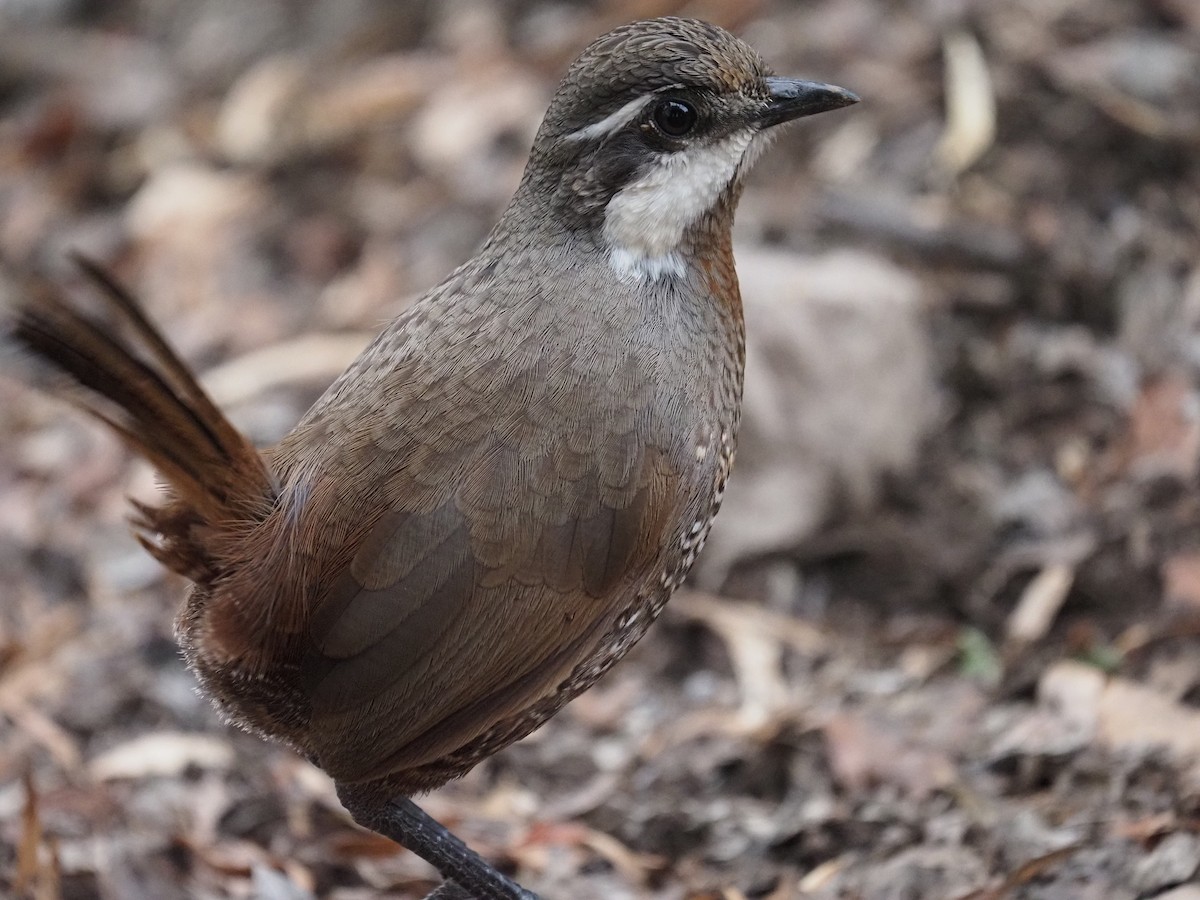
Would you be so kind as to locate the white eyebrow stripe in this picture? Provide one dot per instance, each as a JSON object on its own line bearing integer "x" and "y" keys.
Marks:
{"x": 612, "y": 122}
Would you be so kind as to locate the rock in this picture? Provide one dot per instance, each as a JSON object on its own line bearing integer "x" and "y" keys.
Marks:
{"x": 839, "y": 392}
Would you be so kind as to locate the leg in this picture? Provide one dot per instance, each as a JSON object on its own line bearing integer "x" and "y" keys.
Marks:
{"x": 411, "y": 827}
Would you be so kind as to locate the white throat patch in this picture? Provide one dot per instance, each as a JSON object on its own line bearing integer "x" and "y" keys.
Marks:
{"x": 645, "y": 221}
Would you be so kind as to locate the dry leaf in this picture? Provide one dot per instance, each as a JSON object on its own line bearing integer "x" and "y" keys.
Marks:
{"x": 1134, "y": 717}
{"x": 863, "y": 753}
{"x": 970, "y": 103}
{"x": 1040, "y": 602}
{"x": 162, "y": 754}
{"x": 1181, "y": 580}
{"x": 28, "y": 856}
{"x": 1163, "y": 436}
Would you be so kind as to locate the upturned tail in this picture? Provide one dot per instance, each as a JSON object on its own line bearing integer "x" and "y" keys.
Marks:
{"x": 126, "y": 374}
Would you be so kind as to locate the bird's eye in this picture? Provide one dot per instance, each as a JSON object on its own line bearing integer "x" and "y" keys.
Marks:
{"x": 675, "y": 118}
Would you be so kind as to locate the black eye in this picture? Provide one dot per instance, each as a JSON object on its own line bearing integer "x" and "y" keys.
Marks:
{"x": 675, "y": 118}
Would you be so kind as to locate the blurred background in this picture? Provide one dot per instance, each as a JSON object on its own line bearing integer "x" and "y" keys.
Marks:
{"x": 943, "y": 642}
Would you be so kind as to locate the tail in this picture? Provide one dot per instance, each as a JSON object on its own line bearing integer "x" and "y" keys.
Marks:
{"x": 136, "y": 384}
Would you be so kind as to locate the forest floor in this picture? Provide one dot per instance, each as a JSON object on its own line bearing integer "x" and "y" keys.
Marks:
{"x": 945, "y": 642}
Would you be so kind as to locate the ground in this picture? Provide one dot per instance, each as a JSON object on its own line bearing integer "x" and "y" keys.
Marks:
{"x": 944, "y": 644}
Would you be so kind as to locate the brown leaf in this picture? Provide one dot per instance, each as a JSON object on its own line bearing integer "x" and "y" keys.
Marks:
{"x": 1163, "y": 435}
{"x": 28, "y": 865}
{"x": 1146, "y": 828}
{"x": 360, "y": 844}
{"x": 1133, "y": 716}
{"x": 1025, "y": 873}
{"x": 862, "y": 753}
{"x": 1181, "y": 580}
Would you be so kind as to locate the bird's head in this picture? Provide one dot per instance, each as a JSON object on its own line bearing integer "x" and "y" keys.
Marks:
{"x": 650, "y": 133}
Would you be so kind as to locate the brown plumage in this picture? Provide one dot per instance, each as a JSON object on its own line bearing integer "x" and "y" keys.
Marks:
{"x": 491, "y": 505}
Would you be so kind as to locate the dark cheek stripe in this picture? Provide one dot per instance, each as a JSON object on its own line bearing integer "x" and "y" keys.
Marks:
{"x": 619, "y": 159}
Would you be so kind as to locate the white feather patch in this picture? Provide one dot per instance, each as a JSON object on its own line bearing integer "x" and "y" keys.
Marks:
{"x": 632, "y": 267}
{"x": 645, "y": 221}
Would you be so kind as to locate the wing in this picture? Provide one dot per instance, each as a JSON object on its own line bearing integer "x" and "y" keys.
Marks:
{"x": 502, "y": 553}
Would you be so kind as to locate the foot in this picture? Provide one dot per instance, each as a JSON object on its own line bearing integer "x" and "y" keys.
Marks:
{"x": 468, "y": 876}
{"x": 451, "y": 891}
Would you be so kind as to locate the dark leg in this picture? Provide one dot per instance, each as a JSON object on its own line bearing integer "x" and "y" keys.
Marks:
{"x": 409, "y": 826}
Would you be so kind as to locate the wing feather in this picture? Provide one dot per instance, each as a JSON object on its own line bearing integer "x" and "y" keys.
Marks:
{"x": 448, "y": 622}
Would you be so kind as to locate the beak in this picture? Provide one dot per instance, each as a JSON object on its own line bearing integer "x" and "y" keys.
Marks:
{"x": 791, "y": 98}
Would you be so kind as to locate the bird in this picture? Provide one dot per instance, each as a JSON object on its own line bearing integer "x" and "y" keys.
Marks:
{"x": 491, "y": 505}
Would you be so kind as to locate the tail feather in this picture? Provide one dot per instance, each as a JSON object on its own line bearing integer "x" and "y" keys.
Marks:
{"x": 206, "y": 413}
{"x": 135, "y": 383}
